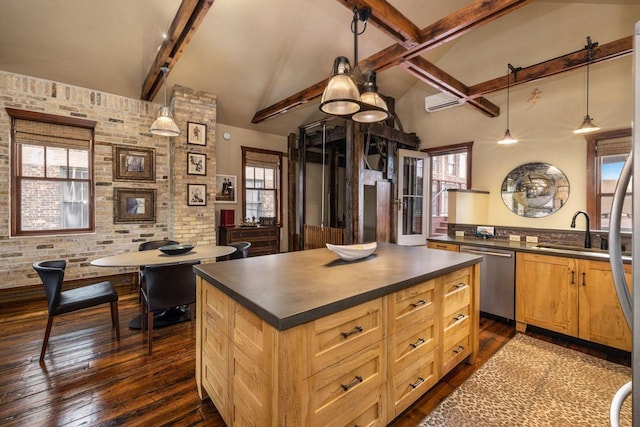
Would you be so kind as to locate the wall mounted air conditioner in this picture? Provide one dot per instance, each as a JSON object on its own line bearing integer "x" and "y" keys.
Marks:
{"x": 441, "y": 101}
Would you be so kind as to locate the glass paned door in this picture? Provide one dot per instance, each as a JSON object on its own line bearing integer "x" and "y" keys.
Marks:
{"x": 413, "y": 192}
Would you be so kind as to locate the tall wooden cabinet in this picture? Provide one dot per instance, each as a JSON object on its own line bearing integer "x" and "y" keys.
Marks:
{"x": 572, "y": 296}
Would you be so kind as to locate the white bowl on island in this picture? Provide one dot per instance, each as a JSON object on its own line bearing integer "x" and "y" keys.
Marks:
{"x": 353, "y": 252}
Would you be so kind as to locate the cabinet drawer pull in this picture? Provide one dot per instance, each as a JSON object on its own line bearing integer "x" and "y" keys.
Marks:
{"x": 418, "y": 304}
{"x": 458, "y": 349}
{"x": 356, "y": 380}
{"x": 460, "y": 285}
{"x": 573, "y": 277}
{"x": 417, "y": 343}
{"x": 459, "y": 317}
{"x": 417, "y": 383}
{"x": 584, "y": 279}
{"x": 351, "y": 332}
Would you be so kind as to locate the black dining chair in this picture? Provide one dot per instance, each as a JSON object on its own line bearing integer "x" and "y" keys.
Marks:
{"x": 242, "y": 251}
{"x": 60, "y": 302}
{"x": 166, "y": 287}
{"x": 147, "y": 246}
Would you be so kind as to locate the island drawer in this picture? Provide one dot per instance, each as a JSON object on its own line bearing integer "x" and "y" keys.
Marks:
{"x": 411, "y": 305}
{"x": 457, "y": 325}
{"x": 457, "y": 291}
{"x": 334, "y": 391}
{"x": 455, "y": 353}
{"x": 407, "y": 385}
{"x": 409, "y": 345}
{"x": 342, "y": 334}
{"x": 216, "y": 308}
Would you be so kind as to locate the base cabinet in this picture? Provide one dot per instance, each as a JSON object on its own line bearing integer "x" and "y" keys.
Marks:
{"x": 571, "y": 296}
{"x": 361, "y": 366}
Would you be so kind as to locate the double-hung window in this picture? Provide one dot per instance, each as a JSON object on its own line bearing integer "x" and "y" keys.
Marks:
{"x": 261, "y": 182}
{"x": 52, "y": 188}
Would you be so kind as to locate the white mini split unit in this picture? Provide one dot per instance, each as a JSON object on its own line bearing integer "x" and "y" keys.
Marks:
{"x": 441, "y": 101}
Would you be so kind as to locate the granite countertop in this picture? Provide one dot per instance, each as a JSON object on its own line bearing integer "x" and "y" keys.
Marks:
{"x": 539, "y": 248}
{"x": 292, "y": 288}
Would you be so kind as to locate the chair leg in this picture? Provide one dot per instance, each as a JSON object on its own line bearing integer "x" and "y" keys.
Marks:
{"x": 150, "y": 331}
{"x": 47, "y": 332}
{"x": 114, "y": 318}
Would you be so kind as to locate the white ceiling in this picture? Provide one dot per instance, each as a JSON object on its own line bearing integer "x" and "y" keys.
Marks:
{"x": 252, "y": 54}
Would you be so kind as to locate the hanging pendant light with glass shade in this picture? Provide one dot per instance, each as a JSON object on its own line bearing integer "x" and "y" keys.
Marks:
{"x": 507, "y": 138}
{"x": 342, "y": 97}
{"x": 164, "y": 124}
{"x": 587, "y": 123}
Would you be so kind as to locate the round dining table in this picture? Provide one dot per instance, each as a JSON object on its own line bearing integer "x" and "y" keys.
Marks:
{"x": 157, "y": 257}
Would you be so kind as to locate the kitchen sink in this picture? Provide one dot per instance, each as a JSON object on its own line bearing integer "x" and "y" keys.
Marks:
{"x": 573, "y": 248}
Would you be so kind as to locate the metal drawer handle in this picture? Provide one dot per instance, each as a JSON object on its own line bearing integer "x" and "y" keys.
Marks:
{"x": 418, "y": 304}
{"x": 356, "y": 380}
{"x": 460, "y": 285}
{"x": 417, "y": 343}
{"x": 353, "y": 331}
{"x": 459, "y": 317}
{"x": 458, "y": 349}
{"x": 417, "y": 383}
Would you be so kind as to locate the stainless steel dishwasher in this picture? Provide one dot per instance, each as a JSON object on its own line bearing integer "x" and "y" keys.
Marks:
{"x": 497, "y": 280}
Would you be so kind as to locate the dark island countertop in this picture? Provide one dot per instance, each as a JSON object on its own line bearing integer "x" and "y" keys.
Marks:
{"x": 292, "y": 288}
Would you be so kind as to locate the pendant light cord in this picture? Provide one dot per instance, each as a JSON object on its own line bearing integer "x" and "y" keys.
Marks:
{"x": 164, "y": 79}
{"x": 588, "y": 64}
{"x": 508, "y": 84}
{"x": 324, "y": 137}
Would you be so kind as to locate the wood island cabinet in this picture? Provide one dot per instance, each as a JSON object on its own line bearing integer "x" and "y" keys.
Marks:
{"x": 362, "y": 365}
{"x": 571, "y": 296}
{"x": 444, "y": 246}
{"x": 265, "y": 240}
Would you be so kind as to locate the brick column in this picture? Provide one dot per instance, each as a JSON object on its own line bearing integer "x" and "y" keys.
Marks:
{"x": 192, "y": 224}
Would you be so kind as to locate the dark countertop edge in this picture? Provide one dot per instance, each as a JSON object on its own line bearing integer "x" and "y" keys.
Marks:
{"x": 524, "y": 247}
{"x": 282, "y": 324}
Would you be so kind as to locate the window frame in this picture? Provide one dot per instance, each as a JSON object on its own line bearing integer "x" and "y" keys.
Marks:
{"x": 16, "y": 176}
{"x": 594, "y": 195}
{"x": 278, "y": 186}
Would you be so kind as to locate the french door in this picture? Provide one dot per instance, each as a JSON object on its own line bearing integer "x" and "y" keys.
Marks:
{"x": 413, "y": 191}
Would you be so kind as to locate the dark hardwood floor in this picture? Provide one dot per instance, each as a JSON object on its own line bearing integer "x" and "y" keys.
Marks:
{"x": 90, "y": 379}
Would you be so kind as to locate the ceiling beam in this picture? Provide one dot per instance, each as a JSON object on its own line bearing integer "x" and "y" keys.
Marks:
{"x": 189, "y": 16}
{"x": 451, "y": 27}
{"x": 571, "y": 61}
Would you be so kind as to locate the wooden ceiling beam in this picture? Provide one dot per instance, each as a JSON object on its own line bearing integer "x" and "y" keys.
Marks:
{"x": 389, "y": 20}
{"x": 187, "y": 20}
{"x": 453, "y": 26}
{"x": 604, "y": 52}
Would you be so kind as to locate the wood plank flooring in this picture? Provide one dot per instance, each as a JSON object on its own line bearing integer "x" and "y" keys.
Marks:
{"x": 88, "y": 378}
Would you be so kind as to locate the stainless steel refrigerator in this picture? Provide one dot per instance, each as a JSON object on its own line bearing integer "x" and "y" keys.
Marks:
{"x": 630, "y": 171}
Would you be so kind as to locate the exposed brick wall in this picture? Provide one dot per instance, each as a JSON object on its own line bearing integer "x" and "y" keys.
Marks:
{"x": 121, "y": 121}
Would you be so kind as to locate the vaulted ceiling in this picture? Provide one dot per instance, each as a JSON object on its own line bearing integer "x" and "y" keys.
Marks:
{"x": 259, "y": 56}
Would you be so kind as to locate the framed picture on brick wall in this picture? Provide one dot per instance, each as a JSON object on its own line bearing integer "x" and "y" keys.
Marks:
{"x": 132, "y": 205}
{"x": 134, "y": 164}
{"x": 196, "y": 133}
{"x": 196, "y": 164}
{"x": 196, "y": 194}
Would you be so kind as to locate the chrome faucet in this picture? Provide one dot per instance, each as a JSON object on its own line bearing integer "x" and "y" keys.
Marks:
{"x": 587, "y": 236}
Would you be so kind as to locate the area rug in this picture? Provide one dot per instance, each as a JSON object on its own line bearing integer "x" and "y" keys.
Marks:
{"x": 530, "y": 382}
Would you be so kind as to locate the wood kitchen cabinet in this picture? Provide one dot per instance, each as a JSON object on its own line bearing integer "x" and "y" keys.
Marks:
{"x": 571, "y": 296}
{"x": 444, "y": 246}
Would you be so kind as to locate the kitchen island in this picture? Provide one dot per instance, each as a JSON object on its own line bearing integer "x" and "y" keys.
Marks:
{"x": 304, "y": 338}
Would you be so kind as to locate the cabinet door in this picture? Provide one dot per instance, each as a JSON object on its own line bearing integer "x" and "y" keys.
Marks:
{"x": 601, "y": 318}
{"x": 547, "y": 293}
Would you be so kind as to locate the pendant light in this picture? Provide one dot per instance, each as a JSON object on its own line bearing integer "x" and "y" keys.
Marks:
{"x": 342, "y": 97}
{"x": 164, "y": 124}
{"x": 587, "y": 124}
{"x": 507, "y": 138}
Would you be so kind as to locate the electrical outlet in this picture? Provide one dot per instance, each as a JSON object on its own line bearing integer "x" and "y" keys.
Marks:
{"x": 532, "y": 239}
{"x": 459, "y": 233}
{"x": 514, "y": 238}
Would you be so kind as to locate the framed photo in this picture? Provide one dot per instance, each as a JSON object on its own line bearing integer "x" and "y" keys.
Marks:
{"x": 131, "y": 205}
{"x": 196, "y": 133}
{"x": 196, "y": 164}
{"x": 196, "y": 194}
{"x": 134, "y": 164}
{"x": 225, "y": 188}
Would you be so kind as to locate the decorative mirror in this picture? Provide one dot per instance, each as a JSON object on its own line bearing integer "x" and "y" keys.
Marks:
{"x": 535, "y": 190}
